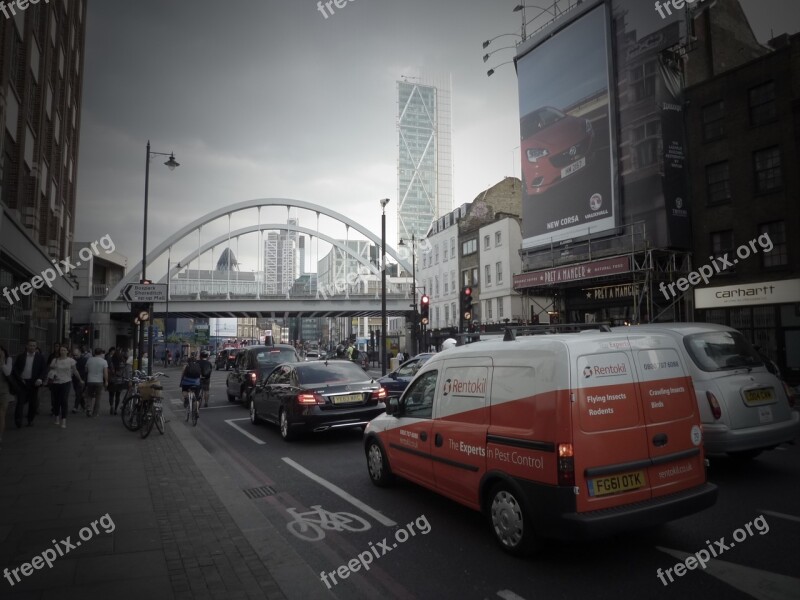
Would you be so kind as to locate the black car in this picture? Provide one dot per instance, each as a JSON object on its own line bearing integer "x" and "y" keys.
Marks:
{"x": 252, "y": 365}
{"x": 317, "y": 396}
{"x": 226, "y": 359}
{"x": 397, "y": 381}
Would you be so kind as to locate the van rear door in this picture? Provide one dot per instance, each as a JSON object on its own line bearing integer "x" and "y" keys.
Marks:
{"x": 611, "y": 456}
{"x": 671, "y": 416}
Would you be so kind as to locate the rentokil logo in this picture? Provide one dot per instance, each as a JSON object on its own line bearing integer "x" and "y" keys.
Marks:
{"x": 609, "y": 371}
{"x": 469, "y": 387}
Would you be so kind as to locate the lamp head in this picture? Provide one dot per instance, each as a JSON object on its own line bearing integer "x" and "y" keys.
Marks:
{"x": 172, "y": 163}
{"x": 486, "y": 43}
{"x": 384, "y": 202}
{"x": 518, "y": 8}
{"x": 490, "y": 72}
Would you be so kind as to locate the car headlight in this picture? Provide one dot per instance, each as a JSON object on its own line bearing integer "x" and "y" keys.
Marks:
{"x": 535, "y": 154}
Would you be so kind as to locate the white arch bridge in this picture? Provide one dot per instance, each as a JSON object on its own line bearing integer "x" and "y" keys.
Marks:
{"x": 342, "y": 293}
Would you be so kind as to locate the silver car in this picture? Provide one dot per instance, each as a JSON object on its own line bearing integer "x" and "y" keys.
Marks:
{"x": 744, "y": 408}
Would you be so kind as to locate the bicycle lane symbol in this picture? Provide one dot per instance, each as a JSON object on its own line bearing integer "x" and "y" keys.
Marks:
{"x": 311, "y": 525}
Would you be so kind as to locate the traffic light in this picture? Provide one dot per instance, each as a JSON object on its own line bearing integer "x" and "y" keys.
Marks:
{"x": 140, "y": 312}
{"x": 424, "y": 309}
{"x": 466, "y": 303}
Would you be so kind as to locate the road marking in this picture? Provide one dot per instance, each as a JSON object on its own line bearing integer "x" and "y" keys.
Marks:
{"x": 762, "y": 585}
{"x": 780, "y": 515}
{"x": 341, "y": 493}
{"x": 235, "y": 426}
{"x": 509, "y": 595}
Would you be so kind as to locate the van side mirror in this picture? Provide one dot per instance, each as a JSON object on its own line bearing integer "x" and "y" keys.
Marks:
{"x": 393, "y": 406}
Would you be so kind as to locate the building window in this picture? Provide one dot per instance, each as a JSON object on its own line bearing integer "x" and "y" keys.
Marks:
{"x": 499, "y": 308}
{"x": 453, "y": 247}
{"x": 488, "y": 276}
{"x": 497, "y": 238}
{"x": 444, "y": 252}
{"x": 454, "y": 313}
{"x": 643, "y": 78}
{"x": 469, "y": 247}
{"x": 718, "y": 183}
{"x": 646, "y": 143}
{"x": 721, "y": 244}
{"x": 486, "y": 244}
{"x": 446, "y": 315}
{"x": 762, "y": 104}
{"x": 774, "y": 233}
{"x": 446, "y": 285}
{"x": 714, "y": 121}
{"x": 436, "y": 286}
{"x": 499, "y": 272}
{"x": 475, "y": 277}
{"x": 768, "y": 170}
{"x": 488, "y": 309}
{"x": 436, "y": 254}
{"x": 465, "y": 278}
{"x": 436, "y": 314}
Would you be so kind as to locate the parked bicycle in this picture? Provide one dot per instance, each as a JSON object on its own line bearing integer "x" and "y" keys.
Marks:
{"x": 141, "y": 389}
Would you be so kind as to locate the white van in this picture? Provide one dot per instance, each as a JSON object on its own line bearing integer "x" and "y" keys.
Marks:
{"x": 565, "y": 436}
{"x": 744, "y": 408}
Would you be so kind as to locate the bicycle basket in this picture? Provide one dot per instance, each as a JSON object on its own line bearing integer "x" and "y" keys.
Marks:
{"x": 150, "y": 389}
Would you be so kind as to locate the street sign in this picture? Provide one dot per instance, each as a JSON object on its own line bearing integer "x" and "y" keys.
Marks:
{"x": 140, "y": 292}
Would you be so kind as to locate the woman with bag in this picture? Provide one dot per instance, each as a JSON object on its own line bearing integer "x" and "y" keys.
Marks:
{"x": 53, "y": 355}
{"x": 62, "y": 370}
{"x": 8, "y": 387}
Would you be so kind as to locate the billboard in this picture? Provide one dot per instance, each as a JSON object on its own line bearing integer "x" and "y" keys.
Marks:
{"x": 566, "y": 143}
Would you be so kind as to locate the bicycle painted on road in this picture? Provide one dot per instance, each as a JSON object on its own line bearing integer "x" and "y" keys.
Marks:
{"x": 311, "y": 529}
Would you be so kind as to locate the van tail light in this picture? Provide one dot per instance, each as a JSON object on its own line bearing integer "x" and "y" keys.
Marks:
{"x": 714, "y": 405}
{"x": 789, "y": 394}
{"x": 310, "y": 399}
{"x": 253, "y": 378}
{"x": 379, "y": 394}
{"x": 566, "y": 465}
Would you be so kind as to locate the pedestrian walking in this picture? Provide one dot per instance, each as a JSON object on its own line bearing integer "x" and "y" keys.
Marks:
{"x": 115, "y": 378}
{"x": 400, "y": 358}
{"x": 62, "y": 370}
{"x": 77, "y": 386}
{"x": 7, "y": 386}
{"x": 53, "y": 355}
{"x": 96, "y": 381}
{"x": 30, "y": 368}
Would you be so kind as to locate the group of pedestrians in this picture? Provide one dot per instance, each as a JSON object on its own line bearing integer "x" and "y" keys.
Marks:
{"x": 87, "y": 373}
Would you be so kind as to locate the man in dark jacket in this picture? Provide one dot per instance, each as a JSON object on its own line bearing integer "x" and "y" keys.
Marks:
{"x": 30, "y": 368}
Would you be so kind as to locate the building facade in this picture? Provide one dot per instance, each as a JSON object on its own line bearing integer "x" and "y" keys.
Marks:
{"x": 41, "y": 86}
{"x": 425, "y": 163}
{"x": 281, "y": 250}
{"x": 499, "y": 260}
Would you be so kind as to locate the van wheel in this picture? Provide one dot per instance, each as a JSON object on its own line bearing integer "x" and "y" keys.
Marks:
{"x": 744, "y": 455}
{"x": 378, "y": 465}
{"x": 510, "y": 520}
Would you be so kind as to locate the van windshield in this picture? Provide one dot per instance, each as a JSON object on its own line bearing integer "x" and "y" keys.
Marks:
{"x": 721, "y": 351}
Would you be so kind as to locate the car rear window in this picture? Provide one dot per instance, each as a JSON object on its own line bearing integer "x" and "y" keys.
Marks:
{"x": 330, "y": 372}
{"x": 721, "y": 351}
{"x": 277, "y": 355}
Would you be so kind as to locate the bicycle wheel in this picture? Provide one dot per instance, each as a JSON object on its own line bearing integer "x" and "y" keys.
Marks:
{"x": 147, "y": 421}
{"x": 195, "y": 412}
{"x": 131, "y": 413}
{"x": 160, "y": 423}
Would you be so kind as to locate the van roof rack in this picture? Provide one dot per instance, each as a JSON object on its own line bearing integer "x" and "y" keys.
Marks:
{"x": 512, "y": 332}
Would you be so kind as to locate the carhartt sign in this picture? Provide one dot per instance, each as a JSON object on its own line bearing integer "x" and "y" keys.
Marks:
{"x": 145, "y": 292}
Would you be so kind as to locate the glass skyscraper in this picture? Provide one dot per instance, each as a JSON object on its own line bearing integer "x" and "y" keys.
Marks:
{"x": 425, "y": 163}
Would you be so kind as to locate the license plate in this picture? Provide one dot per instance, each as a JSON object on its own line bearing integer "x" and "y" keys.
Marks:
{"x": 347, "y": 398}
{"x": 570, "y": 169}
{"x": 764, "y": 414}
{"x": 756, "y": 397}
{"x": 615, "y": 484}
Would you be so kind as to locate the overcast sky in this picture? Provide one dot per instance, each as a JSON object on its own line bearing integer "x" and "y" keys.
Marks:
{"x": 267, "y": 98}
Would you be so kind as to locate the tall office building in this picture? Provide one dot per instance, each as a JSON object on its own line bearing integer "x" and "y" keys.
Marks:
{"x": 41, "y": 86}
{"x": 425, "y": 160}
{"x": 280, "y": 259}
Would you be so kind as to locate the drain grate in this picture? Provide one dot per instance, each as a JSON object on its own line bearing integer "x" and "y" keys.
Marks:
{"x": 260, "y": 492}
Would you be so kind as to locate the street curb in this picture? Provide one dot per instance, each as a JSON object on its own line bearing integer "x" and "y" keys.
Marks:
{"x": 290, "y": 570}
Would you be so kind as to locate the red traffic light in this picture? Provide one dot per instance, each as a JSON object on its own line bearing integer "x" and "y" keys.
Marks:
{"x": 424, "y": 299}
{"x": 467, "y": 291}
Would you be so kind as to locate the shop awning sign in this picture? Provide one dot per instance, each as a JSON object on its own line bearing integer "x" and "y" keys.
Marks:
{"x": 578, "y": 272}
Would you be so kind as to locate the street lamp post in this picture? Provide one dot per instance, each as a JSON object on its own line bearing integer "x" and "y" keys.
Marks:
{"x": 414, "y": 287}
{"x": 171, "y": 163}
{"x": 384, "y": 202}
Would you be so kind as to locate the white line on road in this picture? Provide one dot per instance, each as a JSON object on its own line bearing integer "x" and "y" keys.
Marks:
{"x": 780, "y": 515}
{"x": 341, "y": 493}
{"x": 509, "y": 595}
{"x": 235, "y": 426}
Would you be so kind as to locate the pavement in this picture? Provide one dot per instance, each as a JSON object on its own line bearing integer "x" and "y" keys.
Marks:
{"x": 112, "y": 515}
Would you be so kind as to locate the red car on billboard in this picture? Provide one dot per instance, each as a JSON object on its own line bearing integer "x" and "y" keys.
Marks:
{"x": 554, "y": 146}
